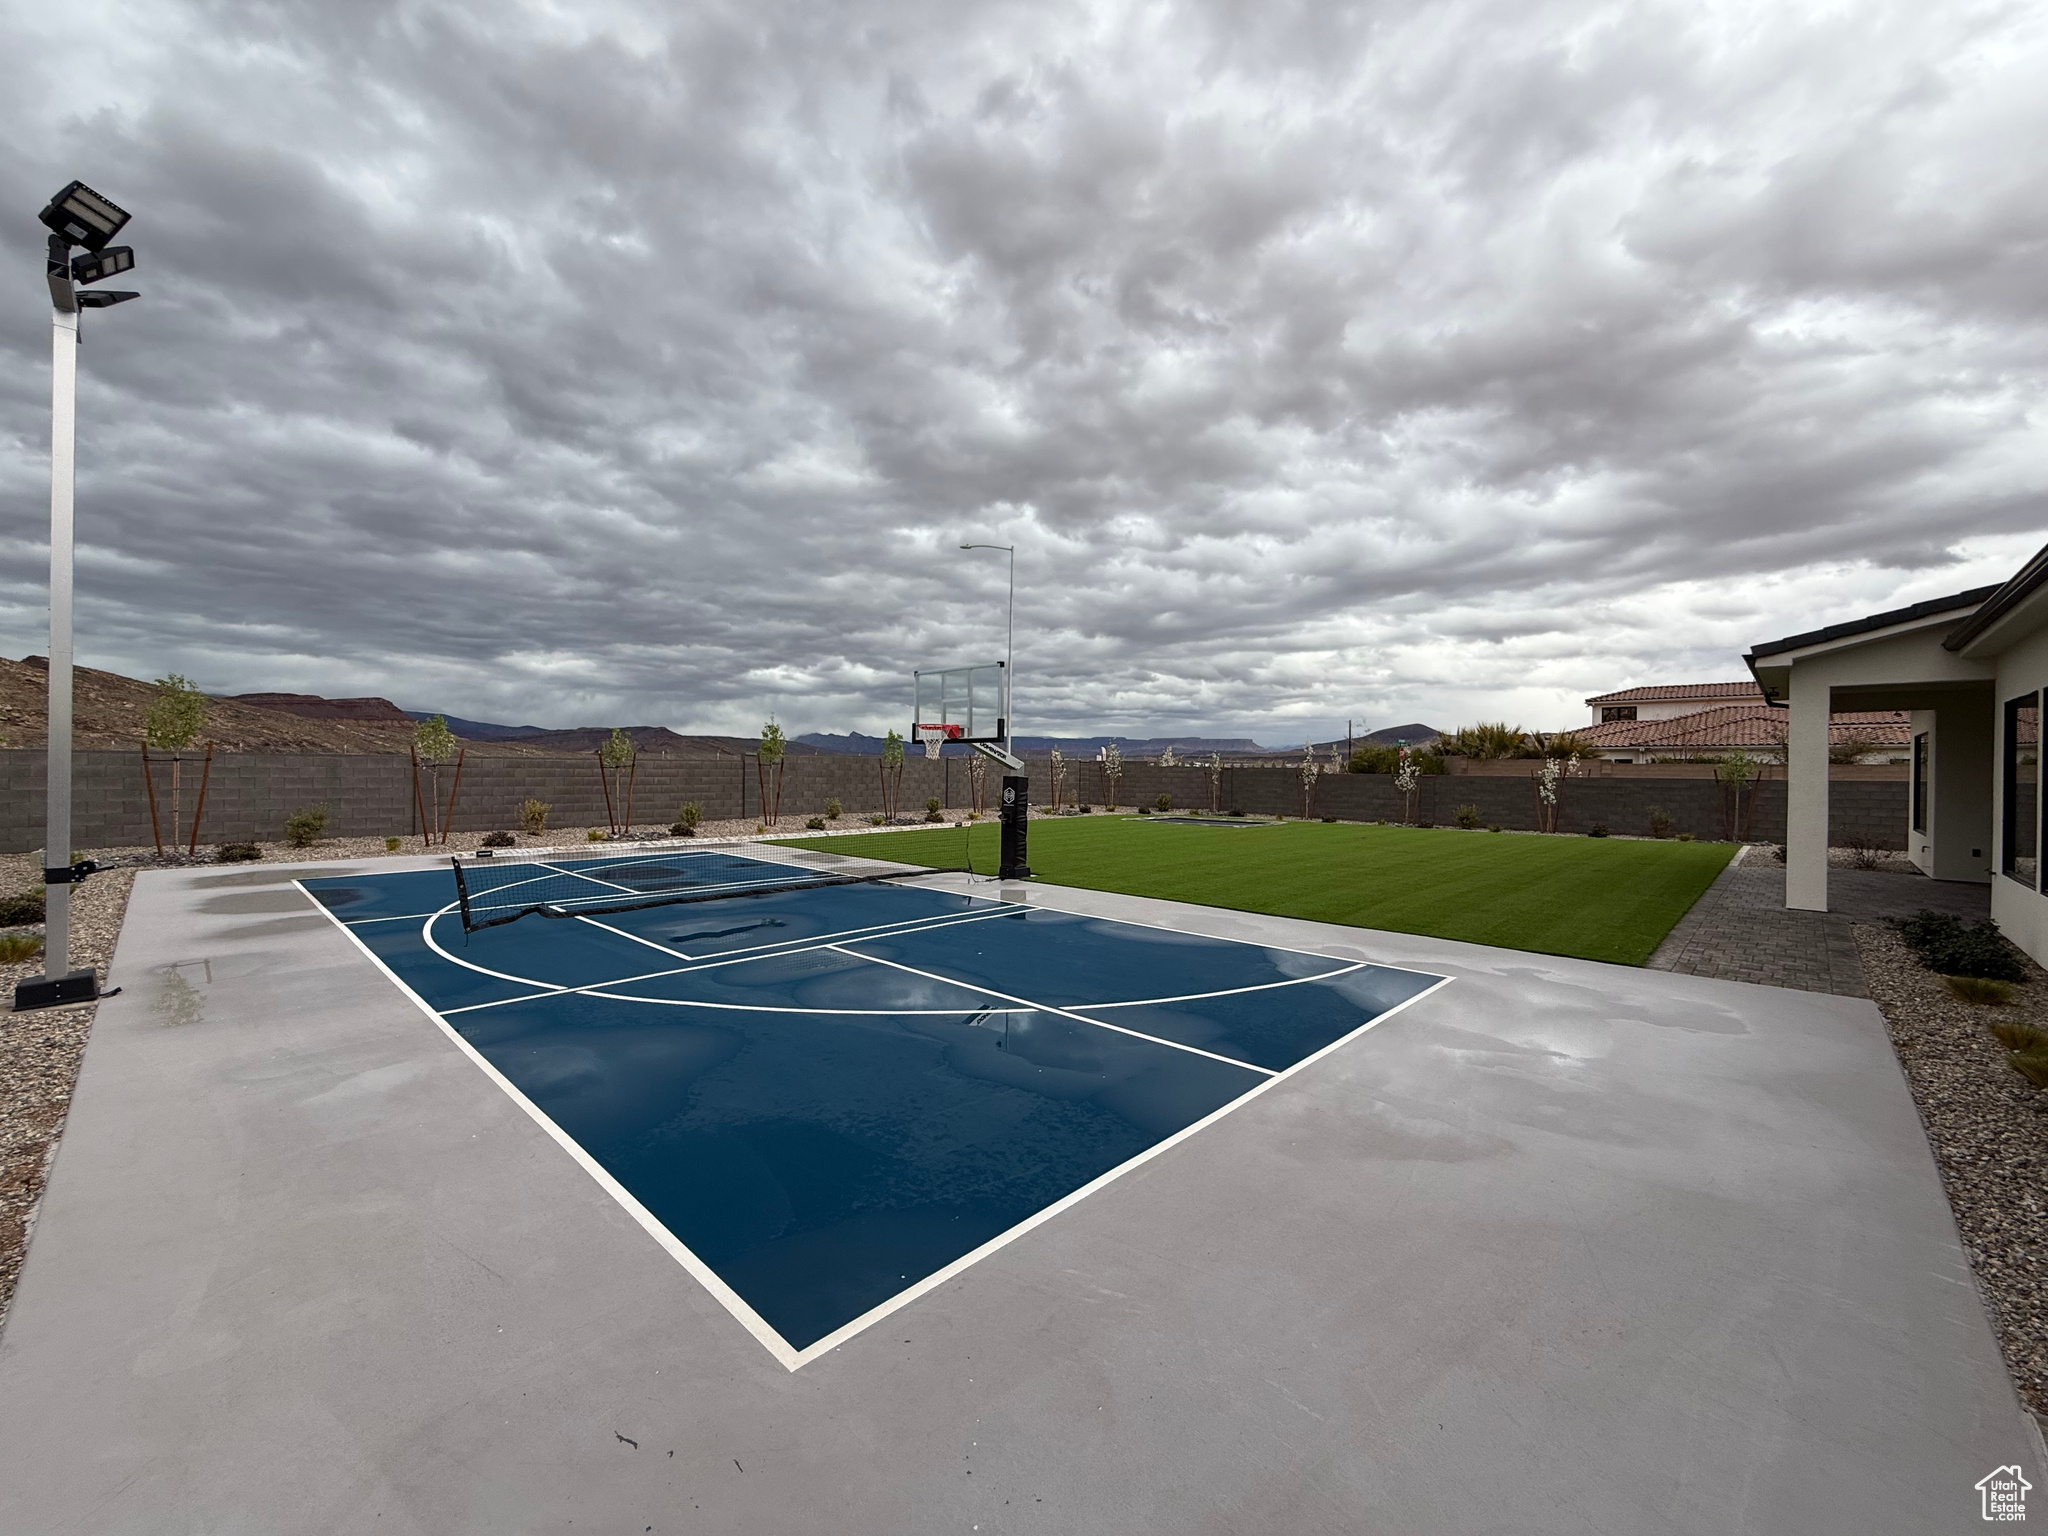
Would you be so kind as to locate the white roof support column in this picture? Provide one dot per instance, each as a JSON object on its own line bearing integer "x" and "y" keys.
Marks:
{"x": 1806, "y": 794}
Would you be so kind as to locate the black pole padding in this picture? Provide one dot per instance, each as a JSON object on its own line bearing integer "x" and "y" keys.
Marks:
{"x": 1016, "y": 818}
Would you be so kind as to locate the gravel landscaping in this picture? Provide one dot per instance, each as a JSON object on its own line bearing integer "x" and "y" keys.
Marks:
{"x": 1988, "y": 1127}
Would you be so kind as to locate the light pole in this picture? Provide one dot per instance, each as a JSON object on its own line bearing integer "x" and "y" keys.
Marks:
{"x": 1009, "y": 649}
{"x": 76, "y": 216}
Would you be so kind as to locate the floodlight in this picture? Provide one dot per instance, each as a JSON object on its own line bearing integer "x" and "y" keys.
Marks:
{"x": 83, "y": 217}
{"x": 105, "y": 298}
{"x": 111, "y": 262}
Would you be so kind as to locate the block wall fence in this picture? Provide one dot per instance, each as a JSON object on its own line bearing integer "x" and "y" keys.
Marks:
{"x": 248, "y": 795}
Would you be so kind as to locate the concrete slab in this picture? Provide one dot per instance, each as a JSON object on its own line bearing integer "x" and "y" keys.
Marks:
{"x": 1563, "y": 1247}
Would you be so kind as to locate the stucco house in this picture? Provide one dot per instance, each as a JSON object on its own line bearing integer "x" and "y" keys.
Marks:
{"x": 1970, "y": 670}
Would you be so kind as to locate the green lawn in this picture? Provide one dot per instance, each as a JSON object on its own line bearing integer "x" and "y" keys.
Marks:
{"x": 1596, "y": 898}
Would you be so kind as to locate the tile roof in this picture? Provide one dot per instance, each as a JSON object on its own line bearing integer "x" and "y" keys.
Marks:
{"x": 1741, "y": 725}
{"x": 1746, "y": 688}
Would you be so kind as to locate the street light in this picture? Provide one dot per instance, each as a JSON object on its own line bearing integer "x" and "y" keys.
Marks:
{"x": 1010, "y": 649}
{"x": 76, "y": 216}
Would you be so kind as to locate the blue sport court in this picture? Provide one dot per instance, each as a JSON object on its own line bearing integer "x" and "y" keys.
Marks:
{"x": 826, "y": 1097}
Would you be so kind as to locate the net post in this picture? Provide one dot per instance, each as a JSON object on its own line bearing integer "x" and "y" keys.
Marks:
{"x": 462, "y": 895}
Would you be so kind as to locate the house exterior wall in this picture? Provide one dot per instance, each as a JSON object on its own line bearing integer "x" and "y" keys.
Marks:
{"x": 1957, "y": 842}
{"x": 2021, "y": 912}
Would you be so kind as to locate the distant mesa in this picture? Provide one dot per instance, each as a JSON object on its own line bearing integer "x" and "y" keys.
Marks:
{"x": 478, "y": 730}
{"x": 312, "y": 706}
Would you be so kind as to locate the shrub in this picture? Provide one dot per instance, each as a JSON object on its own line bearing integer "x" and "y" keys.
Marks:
{"x": 833, "y": 809}
{"x": 498, "y": 840}
{"x": 1942, "y": 944}
{"x": 27, "y": 907}
{"x": 1493, "y": 826}
{"x": 533, "y": 815}
{"x": 690, "y": 816}
{"x": 1982, "y": 991}
{"x": 1467, "y": 817}
{"x": 1661, "y": 824}
{"x": 816, "y": 823}
{"x": 1685, "y": 837}
{"x": 1144, "y": 810}
{"x": 1234, "y": 813}
{"x": 1330, "y": 821}
{"x": 677, "y": 829}
{"x": 303, "y": 827}
{"x": 1598, "y": 829}
{"x": 593, "y": 836}
{"x": 1388, "y": 760}
{"x": 17, "y": 947}
{"x": 2015, "y": 1036}
{"x": 1164, "y": 802}
{"x": 2032, "y": 1065}
{"x": 246, "y": 853}
{"x": 877, "y": 819}
{"x": 391, "y": 845}
{"x": 1864, "y": 851}
{"x": 1778, "y": 852}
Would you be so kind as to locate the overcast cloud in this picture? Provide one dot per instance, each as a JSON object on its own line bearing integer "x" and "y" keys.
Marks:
{"x": 605, "y": 362}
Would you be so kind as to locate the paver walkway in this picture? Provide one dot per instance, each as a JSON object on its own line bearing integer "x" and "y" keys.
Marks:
{"x": 1741, "y": 930}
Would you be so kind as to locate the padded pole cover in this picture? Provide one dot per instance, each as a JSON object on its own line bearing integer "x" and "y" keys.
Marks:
{"x": 1016, "y": 817}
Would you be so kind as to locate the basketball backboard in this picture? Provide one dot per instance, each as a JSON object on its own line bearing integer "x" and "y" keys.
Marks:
{"x": 965, "y": 704}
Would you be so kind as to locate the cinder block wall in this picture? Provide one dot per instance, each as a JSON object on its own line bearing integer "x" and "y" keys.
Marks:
{"x": 249, "y": 795}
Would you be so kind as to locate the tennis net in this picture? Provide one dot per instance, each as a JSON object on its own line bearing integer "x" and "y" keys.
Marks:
{"x": 503, "y": 889}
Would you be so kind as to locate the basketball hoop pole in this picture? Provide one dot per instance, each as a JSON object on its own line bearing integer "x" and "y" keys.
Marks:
{"x": 1009, "y": 648}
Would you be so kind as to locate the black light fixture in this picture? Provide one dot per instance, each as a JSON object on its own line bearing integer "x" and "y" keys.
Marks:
{"x": 83, "y": 217}
{"x": 105, "y": 298}
{"x": 111, "y": 262}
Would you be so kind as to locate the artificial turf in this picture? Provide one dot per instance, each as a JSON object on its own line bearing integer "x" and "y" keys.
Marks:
{"x": 1596, "y": 898}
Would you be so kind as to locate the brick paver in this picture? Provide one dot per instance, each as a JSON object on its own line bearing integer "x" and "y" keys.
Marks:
{"x": 1741, "y": 930}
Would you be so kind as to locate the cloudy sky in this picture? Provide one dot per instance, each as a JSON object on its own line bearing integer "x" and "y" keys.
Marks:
{"x": 600, "y": 362}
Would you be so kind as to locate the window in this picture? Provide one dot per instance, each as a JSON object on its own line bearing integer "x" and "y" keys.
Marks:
{"x": 1609, "y": 713}
{"x": 1920, "y": 782}
{"x": 2020, "y": 751}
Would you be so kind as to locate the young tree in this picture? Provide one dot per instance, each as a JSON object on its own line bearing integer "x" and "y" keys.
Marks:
{"x": 1407, "y": 776}
{"x": 172, "y": 723}
{"x": 435, "y": 744}
{"x": 1310, "y": 771}
{"x": 615, "y": 759}
{"x": 768, "y": 771}
{"x": 1167, "y": 759}
{"x": 892, "y": 774}
{"x": 977, "y": 781}
{"x": 1112, "y": 761}
{"x": 1738, "y": 773}
{"x": 1215, "y": 781}
{"x": 1059, "y": 776}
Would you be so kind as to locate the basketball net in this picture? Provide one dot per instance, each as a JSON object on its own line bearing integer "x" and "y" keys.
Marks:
{"x": 933, "y": 737}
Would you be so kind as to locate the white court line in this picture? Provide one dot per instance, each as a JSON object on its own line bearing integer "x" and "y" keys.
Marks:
{"x": 699, "y": 1271}
{"x": 1002, "y": 1240}
{"x": 804, "y": 946}
{"x": 791, "y": 1358}
{"x": 1264, "y": 986}
{"x": 1228, "y": 1061}
{"x": 1039, "y": 905}
{"x": 608, "y": 928}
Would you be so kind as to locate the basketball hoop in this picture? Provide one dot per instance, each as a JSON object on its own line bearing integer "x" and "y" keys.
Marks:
{"x": 935, "y": 736}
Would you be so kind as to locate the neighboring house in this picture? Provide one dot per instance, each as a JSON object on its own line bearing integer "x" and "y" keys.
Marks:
{"x": 1971, "y": 669}
{"x": 1684, "y": 720}
{"x": 1668, "y": 701}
